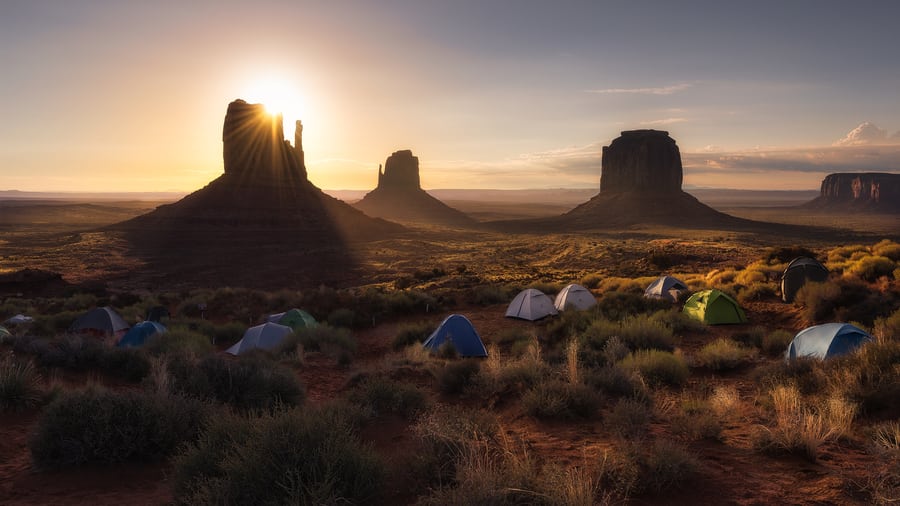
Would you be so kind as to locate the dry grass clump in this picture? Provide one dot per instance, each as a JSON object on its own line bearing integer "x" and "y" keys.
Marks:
{"x": 724, "y": 401}
{"x": 20, "y": 384}
{"x": 871, "y": 268}
{"x": 776, "y": 342}
{"x": 635, "y": 332}
{"x": 886, "y": 437}
{"x": 558, "y": 399}
{"x": 412, "y": 333}
{"x": 694, "y": 419}
{"x": 883, "y": 481}
{"x": 646, "y": 469}
{"x": 629, "y": 418}
{"x": 723, "y": 354}
{"x": 657, "y": 367}
{"x": 456, "y": 376}
{"x": 379, "y": 396}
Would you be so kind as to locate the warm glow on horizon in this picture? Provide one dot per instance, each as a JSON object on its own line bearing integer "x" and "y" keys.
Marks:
{"x": 279, "y": 96}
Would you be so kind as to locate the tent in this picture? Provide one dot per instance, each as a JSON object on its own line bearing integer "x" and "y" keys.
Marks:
{"x": 666, "y": 287}
{"x": 294, "y": 318}
{"x": 18, "y": 320}
{"x": 800, "y": 271}
{"x": 138, "y": 335}
{"x": 714, "y": 307}
{"x": 457, "y": 330}
{"x": 265, "y": 336}
{"x": 4, "y": 333}
{"x": 100, "y": 320}
{"x": 825, "y": 341}
{"x": 574, "y": 296}
{"x": 531, "y": 305}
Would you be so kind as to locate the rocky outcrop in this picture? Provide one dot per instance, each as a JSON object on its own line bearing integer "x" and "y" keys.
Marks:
{"x": 400, "y": 197}
{"x": 641, "y": 160}
{"x": 861, "y": 192}
{"x": 640, "y": 183}
{"x": 261, "y": 213}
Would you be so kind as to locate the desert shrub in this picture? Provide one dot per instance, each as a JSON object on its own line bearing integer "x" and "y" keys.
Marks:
{"x": 179, "y": 340}
{"x": 80, "y": 302}
{"x": 752, "y": 337}
{"x": 797, "y": 429}
{"x": 127, "y": 363}
{"x": 342, "y": 317}
{"x": 784, "y": 254}
{"x": 379, "y": 396}
{"x": 776, "y": 342}
{"x": 657, "y": 367}
{"x": 560, "y": 400}
{"x": 74, "y": 352}
{"x": 886, "y": 437}
{"x": 455, "y": 377}
{"x": 324, "y": 338}
{"x": 723, "y": 354}
{"x": 666, "y": 466}
{"x": 98, "y": 426}
{"x": 872, "y": 377}
{"x": 227, "y": 332}
{"x": 512, "y": 335}
{"x": 20, "y": 384}
{"x": 487, "y": 295}
{"x": 872, "y": 267}
{"x": 567, "y": 325}
{"x": 412, "y": 333}
{"x": 887, "y": 248}
{"x": 629, "y": 418}
{"x": 590, "y": 281}
{"x": 695, "y": 419}
{"x": 888, "y": 328}
{"x": 447, "y": 434}
{"x": 287, "y": 457}
{"x": 678, "y": 321}
{"x": 756, "y": 291}
{"x": 618, "y": 305}
{"x": 447, "y": 351}
{"x": 635, "y": 332}
{"x": 842, "y": 253}
{"x": 616, "y": 382}
{"x": 847, "y": 299}
{"x": 803, "y": 372}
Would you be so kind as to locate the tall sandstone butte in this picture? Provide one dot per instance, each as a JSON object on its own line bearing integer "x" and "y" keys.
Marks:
{"x": 640, "y": 183}
{"x": 861, "y": 192}
{"x": 399, "y": 195}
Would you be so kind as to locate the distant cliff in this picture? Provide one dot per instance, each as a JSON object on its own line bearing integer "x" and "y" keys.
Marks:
{"x": 399, "y": 196}
{"x": 859, "y": 192}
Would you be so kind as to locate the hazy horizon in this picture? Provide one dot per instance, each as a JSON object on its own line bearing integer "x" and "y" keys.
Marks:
{"x": 130, "y": 97}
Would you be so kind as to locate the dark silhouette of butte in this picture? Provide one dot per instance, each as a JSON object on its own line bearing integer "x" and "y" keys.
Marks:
{"x": 640, "y": 183}
{"x": 262, "y": 213}
{"x": 875, "y": 192}
{"x": 399, "y": 196}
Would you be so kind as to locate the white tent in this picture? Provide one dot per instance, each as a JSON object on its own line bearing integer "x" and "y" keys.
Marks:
{"x": 19, "y": 319}
{"x": 574, "y": 296}
{"x": 666, "y": 287}
{"x": 265, "y": 336}
{"x": 531, "y": 305}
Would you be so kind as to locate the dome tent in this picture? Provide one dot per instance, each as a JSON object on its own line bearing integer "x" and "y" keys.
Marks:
{"x": 265, "y": 336}
{"x": 138, "y": 335}
{"x": 293, "y": 318}
{"x": 457, "y": 330}
{"x": 714, "y": 307}
{"x": 826, "y": 341}
{"x": 574, "y": 296}
{"x": 100, "y": 320}
{"x": 531, "y": 304}
{"x": 665, "y": 287}
{"x": 800, "y": 271}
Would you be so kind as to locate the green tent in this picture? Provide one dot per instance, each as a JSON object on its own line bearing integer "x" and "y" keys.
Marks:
{"x": 714, "y": 307}
{"x": 294, "y": 318}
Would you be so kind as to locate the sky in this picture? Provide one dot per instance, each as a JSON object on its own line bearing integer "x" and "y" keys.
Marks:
{"x": 120, "y": 95}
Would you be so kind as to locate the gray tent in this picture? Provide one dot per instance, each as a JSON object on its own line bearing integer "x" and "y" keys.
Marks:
{"x": 574, "y": 296}
{"x": 100, "y": 320}
{"x": 827, "y": 340}
{"x": 531, "y": 304}
{"x": 265, "y": 336}
{"x": 666, "y": 287}
{"x": 800, "y": 271}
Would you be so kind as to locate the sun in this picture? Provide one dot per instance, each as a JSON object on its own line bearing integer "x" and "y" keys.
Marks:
{"x": 279, "y": 96}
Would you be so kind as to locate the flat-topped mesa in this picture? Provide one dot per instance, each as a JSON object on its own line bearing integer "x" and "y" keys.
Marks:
{"x": 641, "y": 161}
{"x": 401, "y": 172}
{"x": 865, "y": 191}
{"x": 254, "y": 149}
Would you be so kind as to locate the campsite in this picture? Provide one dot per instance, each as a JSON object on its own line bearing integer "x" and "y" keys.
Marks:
{"x": 630, "y": 399}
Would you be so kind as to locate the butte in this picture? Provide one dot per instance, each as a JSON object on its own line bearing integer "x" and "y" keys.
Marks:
{"x": 400, "y": 197}
{"x": 261, "y": 223}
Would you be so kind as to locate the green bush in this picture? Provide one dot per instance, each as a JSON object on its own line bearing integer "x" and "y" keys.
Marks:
{"x": 380, "y": 396}
{"x": 412, "y": 333}
{"x": 561, "y": 400}
{"x": 872, "y": 267}
{"x": 667, "y": 466}
{"x": 776, "y": 342}
{"x": 20, "y": 384}
{"x": 756, "y": 292}
{"x": 332, "y": 341}
{"x": 616, "y": 382}
{"x": 591, "y": 281}
{"x": 887, "y": 248}
{"x": 487, "y": 295}
{"x": 288, "y": 457}
{"x": 847, "y": 299}
{"x": 98, "y": 426}
{"x": 179, "y": 340}
{"x": 635, "y": 332}
{"x": 657, "y": 367}
{"x": 616, "y": 305}
{"x": 723, "y": 354}
{"x": 455, "y": 377}
{"x": 696, "y": 420}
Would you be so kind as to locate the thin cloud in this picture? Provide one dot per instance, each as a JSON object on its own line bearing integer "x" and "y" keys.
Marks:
{"x": 663, "y": 122}
{"x": 663, "y": 90}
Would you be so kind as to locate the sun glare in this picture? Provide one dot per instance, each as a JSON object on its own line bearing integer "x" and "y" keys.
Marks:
{"x": 279, "y": 97}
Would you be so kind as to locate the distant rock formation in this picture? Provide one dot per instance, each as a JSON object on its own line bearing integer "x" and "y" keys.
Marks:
{"x": 859, "y": 192}
{"x": 400, "y": 197}
{"x": 263, "y": 202}
{"x": 640, "y": 183}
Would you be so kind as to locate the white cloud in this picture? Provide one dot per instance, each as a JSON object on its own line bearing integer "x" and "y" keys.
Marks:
{"x": 866, "y": 133}
{"x": 662, "y": 122}
{"x": 663, "y": 90}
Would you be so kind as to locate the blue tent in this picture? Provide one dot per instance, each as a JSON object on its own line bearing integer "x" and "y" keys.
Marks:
{"x": 458, "y": 330}
{"x": 139, "y": 334}
{"x": 825, "y": 341}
